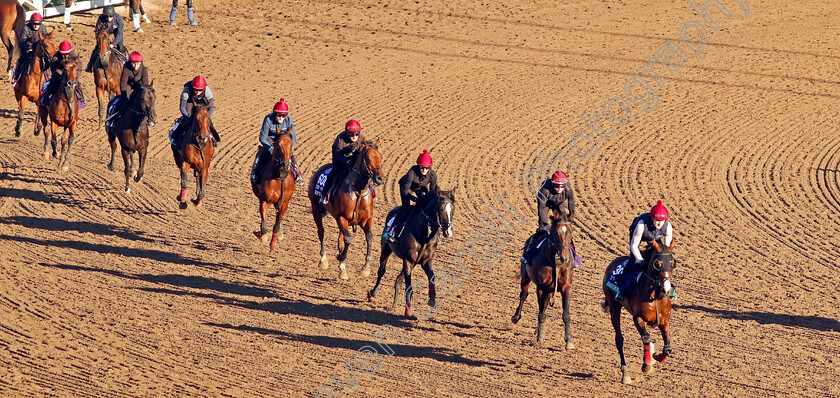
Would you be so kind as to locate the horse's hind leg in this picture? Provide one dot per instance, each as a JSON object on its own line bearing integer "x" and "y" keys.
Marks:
{"x": 430, "y": 273}
{"x": 318, "y": 214}
{"x": 200, "y": 182}
{"x": 143, "y": 12}
{"x": 21, "y": 107}
{"x": 10, "y": 48}
{"x": 384, "y": 254}
{"x": 263, "y": 234}
{"x": 409, "y": 287}
{"x": 523, "y": 294}
{"x": 367, "y": 226}
{"x": 112, "y": 141}
{"x": 141, "y": 163}
{"x": 345, "y": 238}
{"x": 185, "y": 182}
{"x": 47, "y": 136}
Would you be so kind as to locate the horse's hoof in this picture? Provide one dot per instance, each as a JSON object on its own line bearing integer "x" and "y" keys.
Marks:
{"x": 137, "y": 178}
{"x": 365, "y": 272}
{"x": 111, "y": 166}
{"x": 408, "y": 314}
{"x": 273, "y": 244}
{"x": 432, "y": 302}
{"x": 570, "y": 345}
{"x": 196, "y": 202}
{"x": 64, "y": 167}
{"x": 17, "y": 133}
{"x": 183, "y": 205}
{"x": 324, "y": 264}
{"x": 46, "y": 156}
{"x": 138, "y": 30}
{"x": 660, "y": 357}
{"x": 371, "y": 295}
{"x": 625, "y": 379}
{"x": 647, "y": 368}
{"x": 128, "y": 191}
{"x": 343, "y": 275}
{"x": 515, "y": 319}
{"x": 146, "y": 19}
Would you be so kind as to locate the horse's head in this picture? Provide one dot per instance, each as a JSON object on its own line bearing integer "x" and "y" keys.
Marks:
{"x": 71, "y": 70}
{"x": 369, "y": 162}
{"x": 200, "y": 122}
{"x": 660, "y": 267}
{"x": 46, "y": 48}
{"x": 146, "y": 96}
{"x": 281, "y": 150}
{"x": 560, "y": 233}
{"x": 444, "y": 210}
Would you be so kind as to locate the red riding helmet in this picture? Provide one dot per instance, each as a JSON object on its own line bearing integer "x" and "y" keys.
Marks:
{"x": 65, "y": 47}
{"x": 353, "y": 127}
{"x": 198, "y": 83}
{"x": 659, "y": 212}
{"x": 559, "y": 178}
{"x": 281, "y": 106}
{"x": 36, "y": 17}
{"x": 135, "y": 57}
{"x": 424, "y": 160}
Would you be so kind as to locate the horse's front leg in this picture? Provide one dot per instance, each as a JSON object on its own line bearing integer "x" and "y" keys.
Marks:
{"x": 345, "y": 238}
{"x": 543, "y": 297}
{"x": 278, "y": 224}
{"x": 69, "y": 137}
{"x": 112, "y": 140}
{"x": 185, "y": 182}
{"x": 665, "y": 329}
{"x": 367, "y": 226}
{"x": 100, "y": 95}
{"x": 47, "y": 136}
{"x": 21, "y": 107}
{"x": 129, "y": 166}
{"x": 263, "y": 234}
{"x": 430, "y": 273}
{"x": 566, "y": 292}
{"x": 641, "y": 326}
{"x": 384, "y": 253}
{"x": 524, "y": 283}
{"x": 615, "y": 318}
{"x": 141, "y": 162}
{"x": 201, "y": 181}
{"x": 409, "y": 289}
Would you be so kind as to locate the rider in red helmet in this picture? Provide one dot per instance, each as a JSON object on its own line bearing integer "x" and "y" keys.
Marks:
{"x": 278, "y": 118}
{"x": 420, "y": 181}
{"x": 64, "y": 54}
{"x": 647, "y": 227}
{"x": 27, "y": 40}
{"x": 134, "y": 75}
{"x": 111, "y": 21}
{"x": 555, "y": 194}
{"x": 345, "y": 148}
{"x": 195, "y": 91}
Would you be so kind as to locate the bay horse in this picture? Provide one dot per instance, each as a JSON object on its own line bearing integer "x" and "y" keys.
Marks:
{"x": 12, "y": 17}
{"x": 131, "y": 129}
{"x": 276, "y": 186}
{"x": 31, "y": 80}
{"x": 195, "y": 151}
{"x": 62, "y": 111}
{"x": 135, "y": 7}
{"x": 106, "y": 72}
{"x": 351, "y": 204}
{"x": 417, "y": 244}
{"x": 647, "y": 302}
{"x": 550, "y": 269}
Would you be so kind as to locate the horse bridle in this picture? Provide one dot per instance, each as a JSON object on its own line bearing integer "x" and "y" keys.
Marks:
{"x": 276, "y": 156}
{"x": 551, "y": 242}
{"x": 144, "y": 112}
{"x": 656, "y": 282}
{"x": 369, "y": 172}
{"x": 436, "y": 221}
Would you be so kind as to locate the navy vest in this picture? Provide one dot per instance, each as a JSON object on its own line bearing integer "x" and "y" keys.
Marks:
{"x": 650, "y": 233}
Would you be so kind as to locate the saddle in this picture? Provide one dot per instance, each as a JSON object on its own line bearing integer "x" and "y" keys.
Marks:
{"x": 535, "y": 243}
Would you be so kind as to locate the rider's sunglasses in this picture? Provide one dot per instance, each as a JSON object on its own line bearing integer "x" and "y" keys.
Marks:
{"x": 353, "y": 134}
{"x": 424, "y": 168}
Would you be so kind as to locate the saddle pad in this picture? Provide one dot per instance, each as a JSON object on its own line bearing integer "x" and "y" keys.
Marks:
{"x": 621, "y": 280}
{"x": 322, "y": 179}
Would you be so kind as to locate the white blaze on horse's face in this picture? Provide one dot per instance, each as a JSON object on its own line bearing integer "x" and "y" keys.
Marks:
{"x": 563, "y": 228}
{"x": 448, "y": 209}
{"x": 667, "y": 286}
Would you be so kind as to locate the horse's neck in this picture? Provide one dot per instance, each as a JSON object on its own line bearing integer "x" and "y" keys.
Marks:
{"x": 357, "y": 181}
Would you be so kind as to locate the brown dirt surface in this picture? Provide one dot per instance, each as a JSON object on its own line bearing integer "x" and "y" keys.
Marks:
{"x": 108, "y": 294}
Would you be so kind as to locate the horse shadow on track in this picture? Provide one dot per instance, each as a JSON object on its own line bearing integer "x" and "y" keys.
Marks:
{"x": 57, "y": 225}
{"x": 400, "y": 350}
{"x": 189, "y": 281}
{"x": 802, "y": 321}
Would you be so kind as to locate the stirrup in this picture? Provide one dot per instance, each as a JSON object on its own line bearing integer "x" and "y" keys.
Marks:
{"x": 324, "y": 199}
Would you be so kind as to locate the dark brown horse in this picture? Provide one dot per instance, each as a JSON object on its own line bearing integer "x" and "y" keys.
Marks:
{"x": 195, "y": 152}
{"x": 106, "y": 72}
{"x": 63, "y": 111}
{"x": 648, "y": 302}
{"x": 276, "y": 186}
{"x": 351, "y": 204}
{"x": 417, "y": 245}
{"x": 131, "y": 129}
{"x": 31, "y": 80}
{"x": 551, "y": 270}
{"x": 12, "y": 17}
{"x": 135, "y": 10}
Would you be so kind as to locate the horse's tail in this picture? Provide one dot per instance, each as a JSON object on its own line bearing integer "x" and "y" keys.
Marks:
{"x": 20, "y": 20}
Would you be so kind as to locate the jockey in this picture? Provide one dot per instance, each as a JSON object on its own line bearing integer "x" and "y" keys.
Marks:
{"x": 278, "y": 118}
{"x": 189, "y": 12}
{"x": 113, "y": 22}
{"x": 28, "y": 40}
{"x": 195, "y": 90}
{"x": 647, "y": 227}
{"x": 420, "y": 180}
{"x": 346, "y": 147}
{"x": 65, "y": 53}
{"x": 555, "y": 194}
{"x": 134, "y": 75}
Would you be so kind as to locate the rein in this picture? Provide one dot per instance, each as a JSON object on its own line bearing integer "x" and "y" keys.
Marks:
{"x": 368, "y": 174}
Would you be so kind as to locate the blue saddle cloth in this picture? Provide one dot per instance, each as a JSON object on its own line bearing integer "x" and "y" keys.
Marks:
{"x": 622, "y": 279}
{"x": 322, "y": 179}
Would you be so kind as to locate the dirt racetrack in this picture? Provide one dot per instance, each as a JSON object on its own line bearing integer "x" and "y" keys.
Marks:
{"x": 108, "y": 294}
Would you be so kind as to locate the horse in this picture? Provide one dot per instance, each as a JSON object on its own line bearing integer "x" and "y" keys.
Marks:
{"x": 29, "y": 86}
{"x": 276, "y": 186}
{"x": 195, "y": 151}
{"x": 12, "y": 17}
{"x": 418, "y": 244}
{"x": 135, "y": 8}
{"x": 551, "y": 270}
{"x": 648, "y": 302}
{"x": 63, "y": 111}
{"x": 106, "y": 73}
{"x": 351, "y": 204}
{"x": 132, "y": 131}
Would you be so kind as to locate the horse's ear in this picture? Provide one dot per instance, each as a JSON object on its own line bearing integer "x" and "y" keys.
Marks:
{"x": 152, "y": 83}
{"x": 656, "y": 246}
{"x": 671, "y": 246}
{"x": 376, "y": 143}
